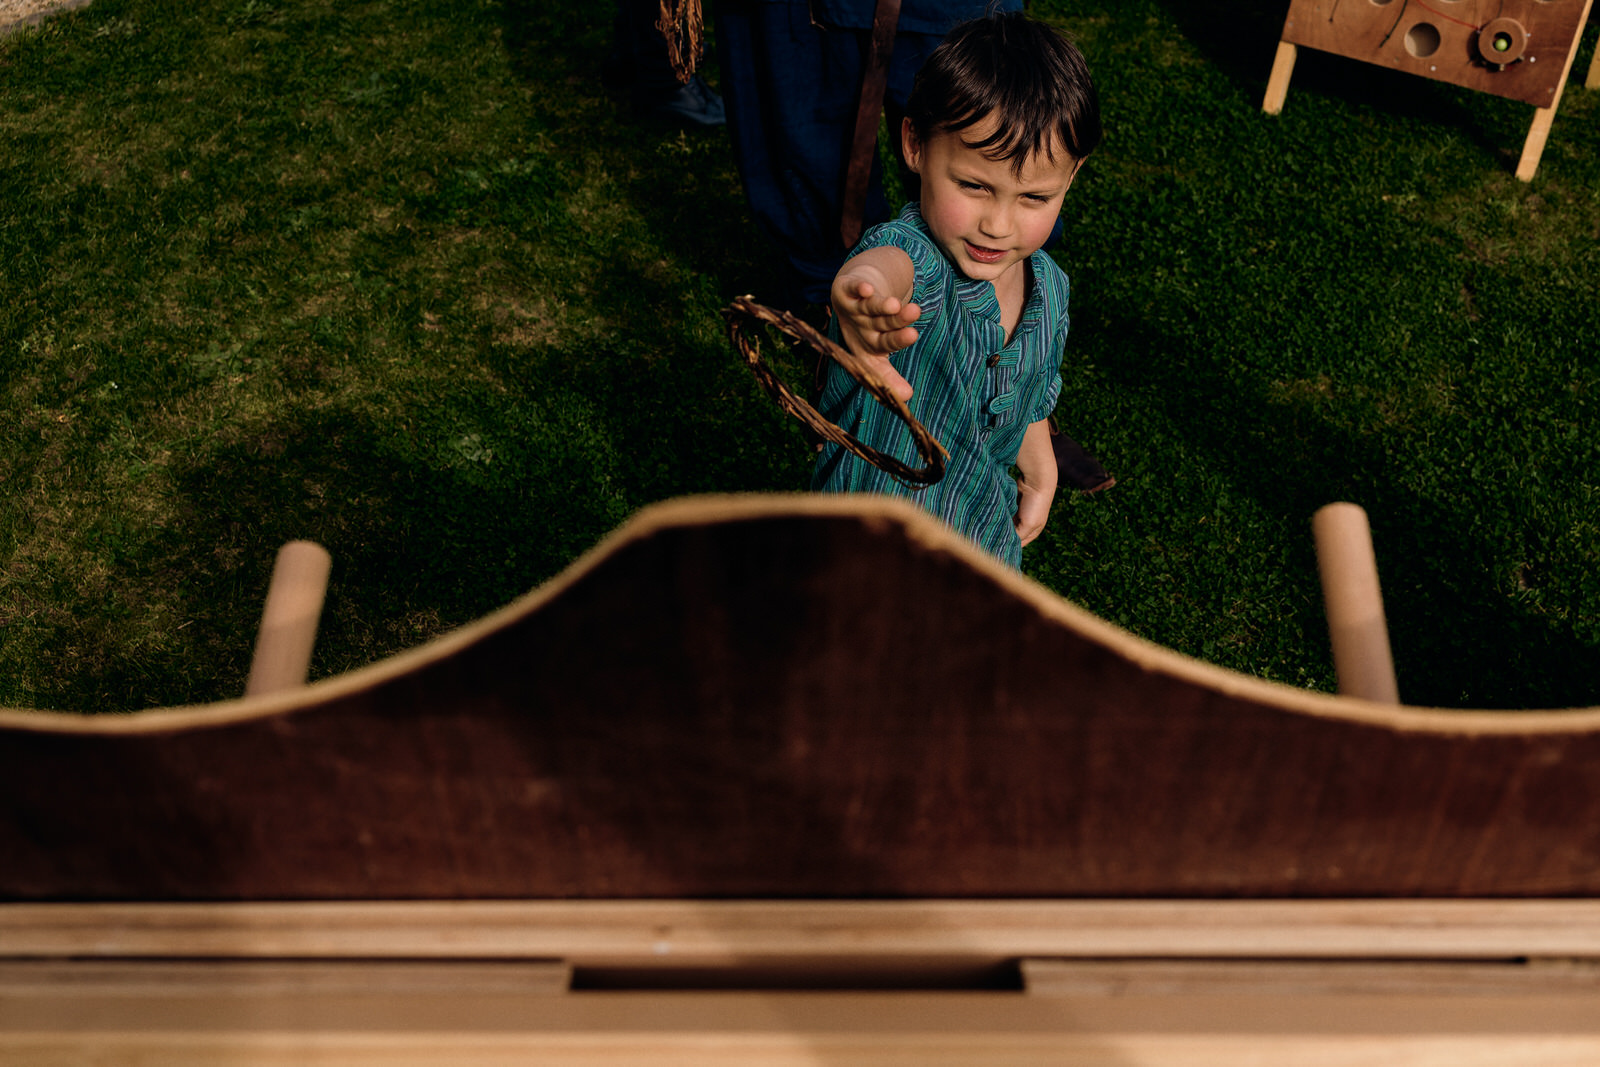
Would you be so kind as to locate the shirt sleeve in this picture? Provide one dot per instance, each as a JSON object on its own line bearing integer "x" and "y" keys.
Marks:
{"x": 1058, "y": 294}
{"x": 1048, "y": 399}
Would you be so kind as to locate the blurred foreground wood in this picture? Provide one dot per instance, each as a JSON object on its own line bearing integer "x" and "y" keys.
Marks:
{"x": 796, "y": 697}
{"x": 1079, "y": 983}
{"x": 799, "y": 781}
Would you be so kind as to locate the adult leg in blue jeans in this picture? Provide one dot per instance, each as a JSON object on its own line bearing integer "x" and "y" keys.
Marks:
{"x": 791, "y": 84}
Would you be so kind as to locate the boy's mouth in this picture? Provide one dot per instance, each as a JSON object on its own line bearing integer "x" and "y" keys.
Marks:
{"x": 985, "y": 255}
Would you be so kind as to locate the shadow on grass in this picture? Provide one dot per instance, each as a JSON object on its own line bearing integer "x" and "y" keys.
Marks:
{"x": 1458, "y": 642}
{"x": 664, "y": 379}
{"x": 692, "y": 200}
{"x": 443, "y": 520}
{"x": 1241, "y": 40}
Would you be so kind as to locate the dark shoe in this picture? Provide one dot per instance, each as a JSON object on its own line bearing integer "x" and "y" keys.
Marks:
{"x": 1075, "y": 468}
{"x": 694, "y": 104}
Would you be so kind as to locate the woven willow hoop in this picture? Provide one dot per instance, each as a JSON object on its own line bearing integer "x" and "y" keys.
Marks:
{"x": 744, "y": 311}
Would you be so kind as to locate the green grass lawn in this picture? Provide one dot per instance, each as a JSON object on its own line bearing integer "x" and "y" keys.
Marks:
{"x": 400, "y": 277}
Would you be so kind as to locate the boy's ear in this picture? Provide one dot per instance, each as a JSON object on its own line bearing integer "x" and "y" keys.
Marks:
{"x": 1077, "y": 165}
{"x": 910, "y": 146}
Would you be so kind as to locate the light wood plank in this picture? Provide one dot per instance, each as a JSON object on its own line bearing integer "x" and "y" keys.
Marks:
{"x": 997, "y": 1030}
{"x": 715, "y": 1050}
{"x": 731, "y": 932}
{"x": 1320, "y": 978}
{"x": 275, "y": 978}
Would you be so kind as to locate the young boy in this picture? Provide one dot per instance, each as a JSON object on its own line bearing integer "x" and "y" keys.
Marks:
{"x": 968, "y": 316}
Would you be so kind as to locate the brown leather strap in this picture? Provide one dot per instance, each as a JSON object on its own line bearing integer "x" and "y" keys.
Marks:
{"x": 885, "y": 16}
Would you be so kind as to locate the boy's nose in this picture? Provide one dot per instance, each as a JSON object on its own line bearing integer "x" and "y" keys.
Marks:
{"x": 996, "y": 222}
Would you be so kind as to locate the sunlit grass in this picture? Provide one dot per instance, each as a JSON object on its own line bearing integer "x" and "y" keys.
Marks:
{"x": 399, "y": 277}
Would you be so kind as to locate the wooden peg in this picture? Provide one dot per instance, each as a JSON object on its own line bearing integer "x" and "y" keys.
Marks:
{"x": 289, "y": 619}
{"x": 1354, "y": 603}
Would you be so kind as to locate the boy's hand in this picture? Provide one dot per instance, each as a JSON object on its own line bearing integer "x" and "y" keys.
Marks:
{"x": 1033, "y": 511}
{"x": 1036, "y": 461}
{"x": 874, "y": 322}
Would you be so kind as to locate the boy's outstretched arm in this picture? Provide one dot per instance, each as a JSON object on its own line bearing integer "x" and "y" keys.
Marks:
{"x": 871, "y": 295}
{"x": 1037, "y": 486}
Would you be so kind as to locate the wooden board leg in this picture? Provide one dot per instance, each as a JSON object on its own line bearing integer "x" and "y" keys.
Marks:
{"x": 1533, "y": 147}
{"x": 1278, "y": 82}
{"x": 1539, "y": 132}
{"x": 1593, "y": 80}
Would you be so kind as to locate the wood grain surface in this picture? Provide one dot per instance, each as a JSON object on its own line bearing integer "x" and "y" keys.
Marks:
{"x": 797, "y": 698}
{"x": 1378, "y": 33}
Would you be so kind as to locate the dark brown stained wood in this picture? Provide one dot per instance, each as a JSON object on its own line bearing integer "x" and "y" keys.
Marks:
{"x": 796, "y": 697}
{"x": 1378, "y": 33}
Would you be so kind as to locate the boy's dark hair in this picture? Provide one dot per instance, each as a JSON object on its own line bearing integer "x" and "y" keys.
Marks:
{"x": 1033, "y": 80}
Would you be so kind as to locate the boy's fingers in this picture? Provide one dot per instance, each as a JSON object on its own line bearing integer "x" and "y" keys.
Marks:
{"x": 904, "y": 337}
{"x": 899, "y": 388}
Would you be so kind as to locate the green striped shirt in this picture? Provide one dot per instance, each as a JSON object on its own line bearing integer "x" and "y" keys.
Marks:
{"x": 974, "y": 392}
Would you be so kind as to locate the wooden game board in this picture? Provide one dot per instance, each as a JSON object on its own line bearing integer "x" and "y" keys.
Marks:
{"x": 791, "y": 781}
{"x": 1521, "y": 49}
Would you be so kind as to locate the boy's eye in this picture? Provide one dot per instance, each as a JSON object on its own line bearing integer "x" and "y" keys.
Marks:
{"x": 1036, "y": 198}
{"x": 973, "y": 186}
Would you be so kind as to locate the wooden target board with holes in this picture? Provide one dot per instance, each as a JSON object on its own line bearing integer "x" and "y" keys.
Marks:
{"x": 1518, "y": 49}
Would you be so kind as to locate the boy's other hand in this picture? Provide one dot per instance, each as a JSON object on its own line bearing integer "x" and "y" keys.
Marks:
{"x": 1033, "y": 511}
{"x": 1036, "y": 462}
{"x": 875, "y": 326}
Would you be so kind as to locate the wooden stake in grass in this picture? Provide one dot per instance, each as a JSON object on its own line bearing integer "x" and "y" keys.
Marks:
{"x": 744, "y": 310}
{"x": 289, "y": 620}
{"x": 1354, "y": 603}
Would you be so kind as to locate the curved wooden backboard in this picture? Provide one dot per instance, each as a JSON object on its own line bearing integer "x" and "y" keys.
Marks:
{"x": 796, "y": 697}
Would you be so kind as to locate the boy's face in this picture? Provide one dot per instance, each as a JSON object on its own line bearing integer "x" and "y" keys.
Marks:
{"x": 988, "y": 218}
